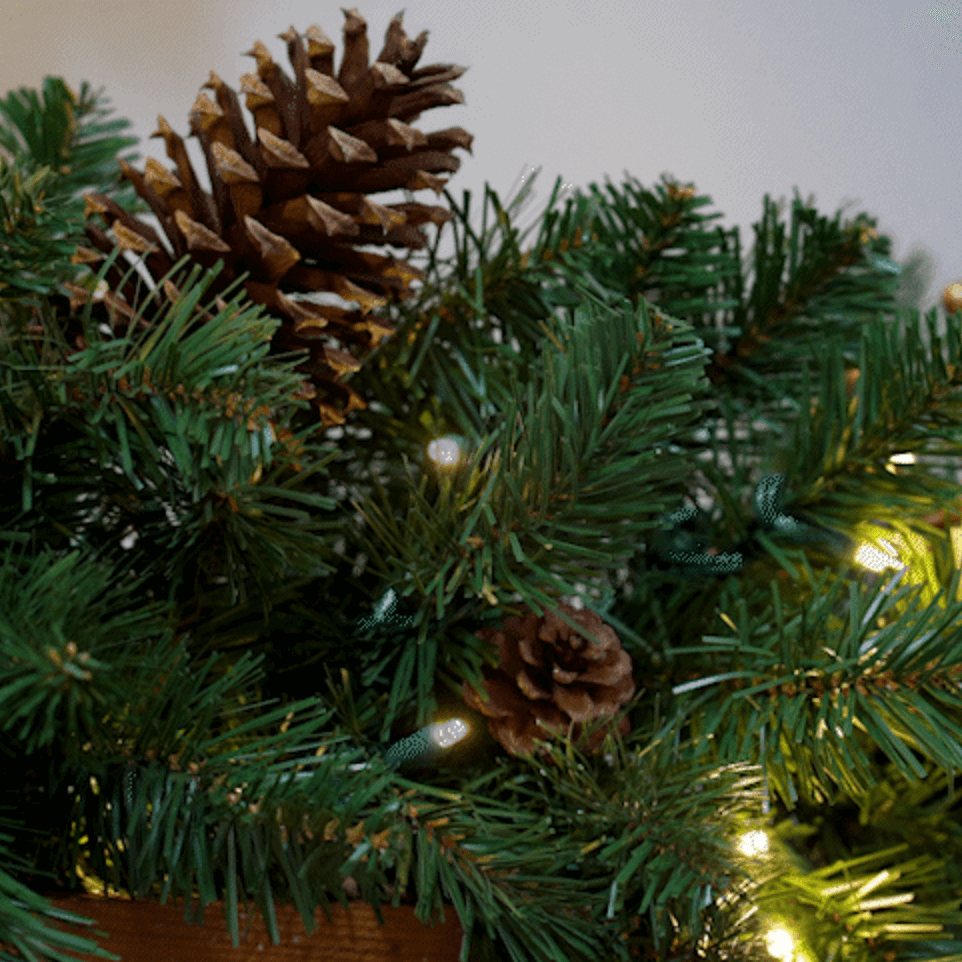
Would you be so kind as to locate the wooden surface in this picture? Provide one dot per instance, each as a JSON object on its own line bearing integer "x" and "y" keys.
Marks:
{"x": 151, "y": 932}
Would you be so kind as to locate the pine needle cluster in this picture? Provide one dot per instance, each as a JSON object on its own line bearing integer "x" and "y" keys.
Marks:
{"x": 215, "y": 614}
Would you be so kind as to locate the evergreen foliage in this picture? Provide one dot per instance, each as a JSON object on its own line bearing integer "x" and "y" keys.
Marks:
{"x": 215, "y": 614}
{"x": 51, "y": 147}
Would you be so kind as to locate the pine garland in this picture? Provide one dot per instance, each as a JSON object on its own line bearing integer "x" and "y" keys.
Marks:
{"x": 168, "y": 733}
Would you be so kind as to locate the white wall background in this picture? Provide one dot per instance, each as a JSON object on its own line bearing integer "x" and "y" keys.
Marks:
{"x": 847, "y": 99}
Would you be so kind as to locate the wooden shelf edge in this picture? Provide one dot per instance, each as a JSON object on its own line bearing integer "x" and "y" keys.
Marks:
{"x": 144, "y": 931}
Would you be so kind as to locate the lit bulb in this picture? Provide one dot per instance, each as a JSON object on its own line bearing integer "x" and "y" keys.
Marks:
{"x": 753, "y": 843}
{"x": 906, "y": 457}
{"x": 878, "y": 557}
{"x": 446, "y": 734}
{"x": 423, "y": 746}
{"x": 781, "y": 944}
{"x": 445, "y": 452}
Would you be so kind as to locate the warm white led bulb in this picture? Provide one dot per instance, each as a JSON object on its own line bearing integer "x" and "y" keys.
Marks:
{"x": 445, "y": 451}
{"x": 753, "y": 843}
{"x": 878, "y": 557}
{"x": 446, "y": 734}
{"x": 780, "y": 944}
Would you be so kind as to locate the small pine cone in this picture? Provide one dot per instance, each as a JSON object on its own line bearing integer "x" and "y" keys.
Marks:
{"x": 291, "y": 204}
{"x": 552, "y": 674}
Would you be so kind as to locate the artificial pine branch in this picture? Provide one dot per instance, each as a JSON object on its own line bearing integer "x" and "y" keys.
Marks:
{"x": 566, "y": 856}
{"x": 52, "y": 147}
{"x": 203, "y": 392}
{"x": 534, "y": 497}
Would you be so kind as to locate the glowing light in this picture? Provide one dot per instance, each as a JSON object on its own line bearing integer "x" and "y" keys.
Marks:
{"x": 446, "y": 734}
{"x": 878, "y": 557}
{"x": 893, "y": 544}
{"x": 422, "y": 747}
{"x": 445, "y": 452}
{"x": 780, "y": 944}
{"x": 906, "y": 457}
{"x": 753, "y": 843}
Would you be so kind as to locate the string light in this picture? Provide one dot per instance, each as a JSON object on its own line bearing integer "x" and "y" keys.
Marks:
{"x": 906, "y": 457}
{"x": 955, "y": 531}
{"x": 753, "y": 843}
{"x": 427, "y": 743}
{"x": 781, "y": 944}
{"x": 880, "y": 556}
{"x": 779, "y": 939}
{"x": 446, "y": 452}
{"x": 446, "y": 734}
{"x": 423, "y": 747}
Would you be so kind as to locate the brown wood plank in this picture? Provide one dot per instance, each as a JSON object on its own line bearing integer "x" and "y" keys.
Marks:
{"x": 143, "y": 931}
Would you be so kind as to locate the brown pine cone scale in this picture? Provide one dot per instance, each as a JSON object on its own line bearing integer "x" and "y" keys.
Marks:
{"x": 289, "y": 204}
{"x": 552, "y": 678}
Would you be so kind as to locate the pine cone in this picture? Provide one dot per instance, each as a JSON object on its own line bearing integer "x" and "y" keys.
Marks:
{"x": 551, "y": 674}
{"x": 291, "y": 205}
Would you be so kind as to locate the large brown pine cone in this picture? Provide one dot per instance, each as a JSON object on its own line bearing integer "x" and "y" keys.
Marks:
{"x": 292, "y": 205}
{"x": 552, "y": 674}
